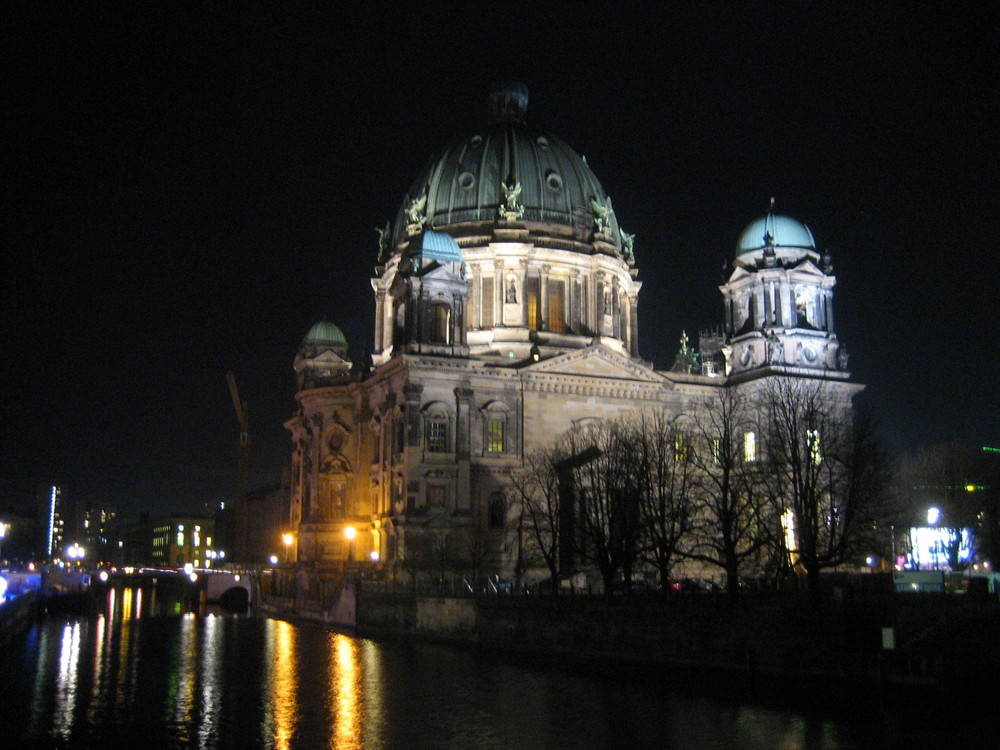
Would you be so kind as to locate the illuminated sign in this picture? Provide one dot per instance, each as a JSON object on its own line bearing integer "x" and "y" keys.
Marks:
{"x": 932, "y": 548}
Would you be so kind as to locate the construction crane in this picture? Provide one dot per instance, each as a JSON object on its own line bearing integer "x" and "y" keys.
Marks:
{"x": 236, "y": 533}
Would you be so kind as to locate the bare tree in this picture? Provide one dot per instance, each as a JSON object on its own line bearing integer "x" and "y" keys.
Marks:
{"x": 535, "y": 488}
{"x": 663, "y": 453}
{"x": 828, "y": 472}
{"x": 731, "y": 515}
{"x": 609, "y": 488}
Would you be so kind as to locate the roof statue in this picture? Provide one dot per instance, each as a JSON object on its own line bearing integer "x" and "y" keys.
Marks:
{"x": 602, "y": 214}
{"x": 417, "y": 210}
{"x": 687, "y": 357}
{"x": 628, "y": 243}
{"x": 384, "y": 241}
{"x": 511, "y": 206}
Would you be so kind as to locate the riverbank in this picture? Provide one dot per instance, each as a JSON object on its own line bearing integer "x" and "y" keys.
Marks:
{"x": 935, "y": 646}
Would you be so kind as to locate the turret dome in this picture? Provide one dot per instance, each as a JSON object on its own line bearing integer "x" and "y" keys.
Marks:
{"x": 774, "y": 230}
{"x": 325, "y": 335}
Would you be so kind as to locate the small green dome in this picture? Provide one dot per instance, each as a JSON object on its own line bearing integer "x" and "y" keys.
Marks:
{"x": 775, "y": 231}
{"x": 326, "y": 334}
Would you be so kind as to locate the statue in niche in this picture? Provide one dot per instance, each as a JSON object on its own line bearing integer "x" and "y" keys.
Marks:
{"x": 842, "y": 357}
{"x": 384, "y": 241}
{"x": 511, "y": 193}
{"x": 775, "y": 349}
{"x": 512, "y": 291}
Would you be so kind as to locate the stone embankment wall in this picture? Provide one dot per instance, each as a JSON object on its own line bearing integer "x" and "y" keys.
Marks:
{"x": 937, "y": 640}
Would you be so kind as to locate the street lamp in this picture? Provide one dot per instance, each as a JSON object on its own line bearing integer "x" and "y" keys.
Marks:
{"x": 75, "y": 552}
{"x": 289, "y": 539}
{"x": 350, "y": 532}
{"x": 3, "y": 533}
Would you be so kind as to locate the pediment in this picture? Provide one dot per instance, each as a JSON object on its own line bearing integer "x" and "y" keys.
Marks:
{"x": 807, "y": 266}
{"x": 597, "y": 361}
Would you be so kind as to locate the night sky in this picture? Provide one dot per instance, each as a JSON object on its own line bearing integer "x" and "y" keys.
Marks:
{"x": 187, "y": 188}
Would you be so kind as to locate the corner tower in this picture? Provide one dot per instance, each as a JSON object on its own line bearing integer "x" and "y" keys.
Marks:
{"x": 779, "y": 302}
{"x": 547, "y": 266}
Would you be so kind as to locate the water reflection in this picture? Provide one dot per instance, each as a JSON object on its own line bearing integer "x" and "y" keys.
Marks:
{"x": 201, "y": 680}
{"x": 283, "y": 688}
{"x": 344, "y": 696}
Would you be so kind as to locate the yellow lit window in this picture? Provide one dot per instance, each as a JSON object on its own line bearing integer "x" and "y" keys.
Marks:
{"x": 680, "y": 446}
{"x": 495, "y": 436}
{"x": 749, "y": 447}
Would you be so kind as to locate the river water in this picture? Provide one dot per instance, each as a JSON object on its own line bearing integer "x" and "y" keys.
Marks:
{"x": 147, "y": 678}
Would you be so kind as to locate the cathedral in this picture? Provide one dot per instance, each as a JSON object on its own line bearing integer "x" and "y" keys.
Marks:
{"x": 506, "y": 313}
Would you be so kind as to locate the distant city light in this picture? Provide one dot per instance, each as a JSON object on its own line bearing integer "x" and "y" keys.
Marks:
{"x": 274, "y": 559}
{"x": 933, "y": 516}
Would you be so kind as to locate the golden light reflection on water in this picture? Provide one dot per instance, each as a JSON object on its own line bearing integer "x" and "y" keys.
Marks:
{"x": 282, "y": 683}
{"x": 345, "y": 708}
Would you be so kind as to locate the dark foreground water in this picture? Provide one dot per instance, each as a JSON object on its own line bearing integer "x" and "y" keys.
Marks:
{"x": 127, "y": 678}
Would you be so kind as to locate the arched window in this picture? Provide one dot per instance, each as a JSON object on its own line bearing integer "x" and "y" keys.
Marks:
{"x": 495, "y": 433}
{"x": 440, "y": 322}
{"x": 437, "y": 433}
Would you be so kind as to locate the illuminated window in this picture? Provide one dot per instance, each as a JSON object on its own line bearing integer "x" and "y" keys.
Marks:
{"x": 749, "y": 447}
{"x": 557, "y": 306}
{"x": 680, "y": 446}
{"x": 437, "y": 435}
{"x": 440, "y": 322}
{"x": 812, "y": 440}
{"x": 534, "y": 311}
{"x": 716, "y": 450}
{"x": 495, "y": 435}
{"x": 180, "y": 538}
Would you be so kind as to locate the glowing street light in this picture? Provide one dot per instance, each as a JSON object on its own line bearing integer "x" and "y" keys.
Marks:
{"x": 289, "y": 539}
{"x": 75, "y": 552}
{"x": 350, "y": 532}
{"x": 3, "y": 533}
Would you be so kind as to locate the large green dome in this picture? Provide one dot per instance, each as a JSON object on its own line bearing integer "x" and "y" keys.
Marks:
{"x": 464, "y": 185}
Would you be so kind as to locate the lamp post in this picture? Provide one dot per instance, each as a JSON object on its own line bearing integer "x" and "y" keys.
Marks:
{"x": 350, "y": 532}
{"x": 289, "y": 539}
{"x": 75, "y": 553}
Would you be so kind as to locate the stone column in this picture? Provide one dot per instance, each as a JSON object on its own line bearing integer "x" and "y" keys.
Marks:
{"x": 543, "y": 298}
